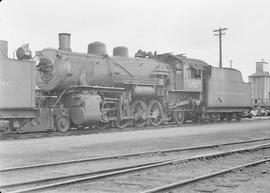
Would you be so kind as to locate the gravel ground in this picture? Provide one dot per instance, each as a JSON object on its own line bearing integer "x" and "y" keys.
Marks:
{"x": 247, "y": 180}
{"x": 21, "y": 152}
{"x": 93, "y": 166}
{"x": 34, "y": 151}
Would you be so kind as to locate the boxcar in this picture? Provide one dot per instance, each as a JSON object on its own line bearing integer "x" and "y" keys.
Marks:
{"x": 17, "y": 91}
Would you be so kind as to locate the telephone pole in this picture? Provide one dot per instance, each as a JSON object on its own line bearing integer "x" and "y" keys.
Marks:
{"x": 220, "y": 33}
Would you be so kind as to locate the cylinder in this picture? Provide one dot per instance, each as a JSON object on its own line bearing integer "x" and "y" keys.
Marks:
{"x": 87, "y": 111}
{"x": 64, "y": 41}
{"x": 4, "y": 47}
{"x": 97, "y": 48}
{"x": 120, "y": 51}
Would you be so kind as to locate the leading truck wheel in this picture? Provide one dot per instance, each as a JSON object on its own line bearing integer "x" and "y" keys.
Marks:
{"x": 179, "y": 117}
{"x": 62, "y": 123}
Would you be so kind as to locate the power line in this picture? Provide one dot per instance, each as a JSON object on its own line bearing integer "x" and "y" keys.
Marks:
{"x": 220, "y": 33}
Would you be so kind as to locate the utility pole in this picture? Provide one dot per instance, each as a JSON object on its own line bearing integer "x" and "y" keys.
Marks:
{"x": 220, "y": 33}
{"x": 230, "y": 63}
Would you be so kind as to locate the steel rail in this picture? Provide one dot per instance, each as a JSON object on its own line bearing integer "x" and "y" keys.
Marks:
{"x": 203, "y": 177}
{"x": 41, "y": 134}
{"x": 77, "y": 175}
{"x": 135, "y": 169}
{"x": 89, "y": 159}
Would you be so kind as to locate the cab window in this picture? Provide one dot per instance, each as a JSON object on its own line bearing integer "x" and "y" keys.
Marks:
{"x": 195, "y": 73}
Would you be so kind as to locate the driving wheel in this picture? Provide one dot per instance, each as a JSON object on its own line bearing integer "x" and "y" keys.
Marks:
{"x": 139, "y": 109}
{"x": 155, "y": 111}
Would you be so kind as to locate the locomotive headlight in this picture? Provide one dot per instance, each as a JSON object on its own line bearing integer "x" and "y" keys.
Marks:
{"x": 37, "y": 60}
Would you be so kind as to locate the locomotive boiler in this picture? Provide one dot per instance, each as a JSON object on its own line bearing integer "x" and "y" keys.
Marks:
{"x": 93, "y": 88}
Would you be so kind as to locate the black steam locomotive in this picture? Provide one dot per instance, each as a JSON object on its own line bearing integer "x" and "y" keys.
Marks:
{"x": 82, "y": 89}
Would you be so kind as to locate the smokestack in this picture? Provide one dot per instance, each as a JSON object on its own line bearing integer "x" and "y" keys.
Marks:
{"x": 64, "y": 41}
{"x": 4, "y": 47}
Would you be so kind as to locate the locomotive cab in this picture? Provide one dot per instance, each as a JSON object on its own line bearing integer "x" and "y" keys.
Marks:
{"x": 185, "y": 88}
{"x": 185, "y": 73}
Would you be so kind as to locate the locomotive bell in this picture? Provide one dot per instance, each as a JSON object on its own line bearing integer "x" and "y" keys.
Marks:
{"x": 97, "y": 48}
{"x": 120, "y": 51}
{"x": 64, "y": 41}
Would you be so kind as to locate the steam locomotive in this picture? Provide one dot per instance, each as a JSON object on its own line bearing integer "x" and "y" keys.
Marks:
{"x": 82, "y": 89}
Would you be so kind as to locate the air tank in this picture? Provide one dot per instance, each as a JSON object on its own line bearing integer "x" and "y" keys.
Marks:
{"x": 64, "y": 41}
{"x": 120, "y": 51}
{"x": 97, "y": 48}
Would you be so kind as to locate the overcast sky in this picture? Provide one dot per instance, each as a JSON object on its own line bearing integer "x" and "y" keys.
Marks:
{"x": 178, "y": 26}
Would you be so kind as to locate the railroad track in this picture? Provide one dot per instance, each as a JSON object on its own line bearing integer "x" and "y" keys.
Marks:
{"x": 82, "y": 131}
{"x": 145, "y": 164}
{"x": 74, "y": 132}
{"x": 178, "y": 184}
